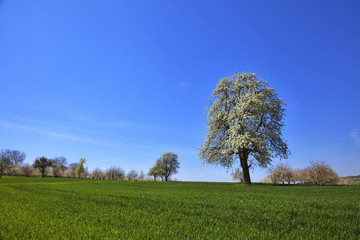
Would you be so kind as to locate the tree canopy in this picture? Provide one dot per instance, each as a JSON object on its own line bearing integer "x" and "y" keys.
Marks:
{"x": 165, "y": 166}
{"x": 4, "y": 163}
{"x": 42, "y": 164}
{"x": 156, "y": 170}
{"x": 80, "y": 169}
{"x": 169, "y": 164}
{"x": 245, "y": 122}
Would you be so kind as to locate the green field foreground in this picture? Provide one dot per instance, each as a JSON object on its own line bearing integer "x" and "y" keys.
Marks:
{"x": 35, "y": 208}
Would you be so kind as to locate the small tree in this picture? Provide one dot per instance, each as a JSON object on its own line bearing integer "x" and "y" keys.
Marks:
{"x": 80, "y": 169}
{"x": 169, "y": 164}
{"x": 97, "y": 174}
{"x": 115, "y": 173}
{"x": 238, "y": 175}
{"x": 4, "y": 164}
{"x": 56, "y": 169}
{"x": 16, "y": 159}
{"x": 320, "y": 173}
{"x": 59, "y": 166}
{"x": 282, "y": 173}
{"x": 156, "y": 170}
{"x": 298, "y": 176}
{"x": 132, "y": 175}
{"x": 42, "y": 164}
{"x": 141, "y": 176}
{"x": 26, "y": 169}
{"x": 71, "y": 170}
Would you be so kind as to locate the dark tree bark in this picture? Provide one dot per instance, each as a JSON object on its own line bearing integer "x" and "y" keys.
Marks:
{"x": 245, "y": 167}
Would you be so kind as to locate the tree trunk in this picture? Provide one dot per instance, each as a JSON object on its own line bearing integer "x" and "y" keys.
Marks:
{"x": 245, "y": 168}
{"x": 166, "y": 178}
{"x": 154, "y": 178}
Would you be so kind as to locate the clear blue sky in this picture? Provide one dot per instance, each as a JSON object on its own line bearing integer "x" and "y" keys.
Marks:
{"x": 122, "y": 82}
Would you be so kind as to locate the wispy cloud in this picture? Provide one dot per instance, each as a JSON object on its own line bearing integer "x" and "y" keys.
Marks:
{"x": 15, "y": 126}
{"x": 41, "y": 127}
{"x": 354, "y": 135}
{"x": 85, "y": 131}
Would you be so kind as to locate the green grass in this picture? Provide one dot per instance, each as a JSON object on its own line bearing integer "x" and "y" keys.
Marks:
{"x": 35, "y": 208}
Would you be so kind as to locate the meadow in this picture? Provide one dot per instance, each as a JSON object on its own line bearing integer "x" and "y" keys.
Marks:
{"x": 50, "y": 208}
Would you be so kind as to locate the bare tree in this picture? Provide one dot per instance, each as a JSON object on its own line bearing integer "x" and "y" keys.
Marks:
{"x": 141, "y": 176}
{"x": 320, "y": 173}
{"x": 26, "y": 169}
{"x": 238, "y": 175}
{"x": 282, "y": 173}
{"x": 4, "y": 164}
{"x": 59, "y": 166}
{"x": 57, "y": 171}
{"x": 298, "y": 176}
{"x": 71, "y": 170}
{"x": 16, "y": 159}
{"x": 97, "y": 174}
{"x": 132, "y": 175}
{"x": 115, "y": 173}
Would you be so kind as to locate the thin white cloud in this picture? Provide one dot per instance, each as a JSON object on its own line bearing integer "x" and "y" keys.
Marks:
{"x": 130, "y": 143}
{"x": 87, "y": 131}
{"x": 11, "y": 125}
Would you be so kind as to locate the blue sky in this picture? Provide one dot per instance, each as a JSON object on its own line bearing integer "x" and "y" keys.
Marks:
{"x": 122, "y": 82}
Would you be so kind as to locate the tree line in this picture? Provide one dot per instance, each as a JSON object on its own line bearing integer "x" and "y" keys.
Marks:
{"x": 317, "y": 173}
{"x": 12, "y": 164}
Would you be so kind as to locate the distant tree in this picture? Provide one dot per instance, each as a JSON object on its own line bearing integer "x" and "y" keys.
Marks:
{"x": 115, "y": 173}
{"x": 245, "y": 123}
{"x": 320, "y": 173}
{"x": 97, "y": 174}
{"x": 282, "y": 173}
{"x": 42, "y": 164}
{"x": 267, "y": 179}
{"x": 56, "y": 169}
{"x": 238, "y": 175}
{"x": 132, "y": 175}
{"x": 16, "y": 159}
{"x": 71, "y": 170}
{"x": 141, "y": 176}
{"x": 156, "y": 170}
{"x": 73, "y": 166}
{"x": 61, "y": 162}
{"x": 59, "y": 166}
{"x": 26, "y": 169}
{"x": 4, "y": 164}
{"x": 80, "y": 169}
{"x": 298, "y": 176}
{"x": 169, "y": 164}
{"x": 86, "y": 173}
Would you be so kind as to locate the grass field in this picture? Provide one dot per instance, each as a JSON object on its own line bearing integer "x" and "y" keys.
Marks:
{"x": 35, "y": 208}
